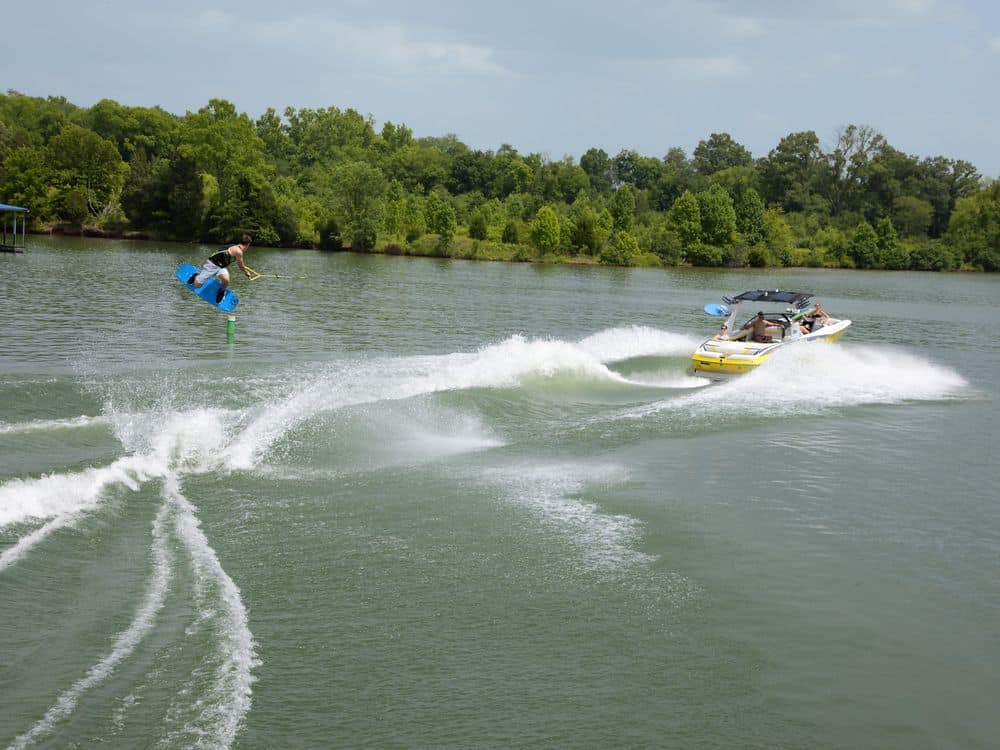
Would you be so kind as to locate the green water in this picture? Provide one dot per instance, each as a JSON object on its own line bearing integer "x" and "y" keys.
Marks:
{"x": 437, "y": 504}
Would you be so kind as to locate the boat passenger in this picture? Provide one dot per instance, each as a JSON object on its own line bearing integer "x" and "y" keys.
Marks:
{"x": 723, "y": 334}
{"x": 819, "y": 315}
{"x": 759, "y": 326}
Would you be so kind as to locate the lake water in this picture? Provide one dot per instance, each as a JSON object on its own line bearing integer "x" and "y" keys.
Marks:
{"x": 437, "y": 504}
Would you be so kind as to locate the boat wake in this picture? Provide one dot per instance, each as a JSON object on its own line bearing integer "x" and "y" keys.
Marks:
{"x": 164, "y": 444}
{"x": 816, "y": 378}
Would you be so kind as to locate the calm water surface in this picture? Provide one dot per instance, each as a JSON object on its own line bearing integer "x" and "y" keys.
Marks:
{"x": 428, "y": 504}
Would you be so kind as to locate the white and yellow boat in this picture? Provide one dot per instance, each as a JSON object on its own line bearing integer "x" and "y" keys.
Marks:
{"x": 795, "y": 320}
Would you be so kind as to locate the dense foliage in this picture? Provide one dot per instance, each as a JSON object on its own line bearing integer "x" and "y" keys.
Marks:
{"x": 327, "y": 178}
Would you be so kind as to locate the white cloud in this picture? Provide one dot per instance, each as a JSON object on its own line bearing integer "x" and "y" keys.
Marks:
{"x": 916, "y": 7}
{"x": 710, "y": 67}
{"x": 894, "y": 73}
{"x": 385, "y": 48}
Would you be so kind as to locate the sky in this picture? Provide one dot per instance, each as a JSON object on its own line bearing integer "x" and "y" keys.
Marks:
{"x": 555, "y": 78}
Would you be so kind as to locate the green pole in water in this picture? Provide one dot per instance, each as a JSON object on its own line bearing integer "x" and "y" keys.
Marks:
{"x": 230, "y": 326}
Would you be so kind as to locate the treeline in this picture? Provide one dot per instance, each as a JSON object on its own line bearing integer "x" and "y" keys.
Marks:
{"x": 328, "y": 178}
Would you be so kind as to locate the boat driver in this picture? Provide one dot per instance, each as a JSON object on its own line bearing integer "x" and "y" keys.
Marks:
{"x": 759, "y": 326}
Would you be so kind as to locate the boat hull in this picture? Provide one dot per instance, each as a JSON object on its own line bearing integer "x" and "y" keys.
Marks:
{"x": 734, "y": 357}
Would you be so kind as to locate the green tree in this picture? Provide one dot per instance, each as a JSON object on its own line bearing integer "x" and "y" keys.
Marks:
{"x": 719, "y": 152}
{"x": 942, "y": 182}
{"x": 702, "y": 254}
{"x": 545, "y": 230}
{"x": 392, "y": 214}
{"x": 850, "y": 167}
{"x": 974, "y": 230}
{"x": 684, "y": 218}
{"x": 666, "y": 243}
{"x": 33, "y": 120}
{"x": 414, "y": 218}
{"x": 510, "y": 233}
{"x": 329, "y": 234}
{"x": 132, "y": 128}
{"x": 718, "y": 218}
{"x": 778, "y": 235}
{"x": 441, "y": 217}
{"x": 28, "y": 181}
{"x": 585, "y": 231}
{"x": 794, "y": 172}
{"x": 477, "y": 225}
{"x": 912, "y": 215}
{"x": 863, "y": 247}
{"x": 891, "y": 252}
{"x": 597, "y": 165}
{"x": 328, "y": 136}
{"x": 749, "y": 209}
{"x": 622, "y": 250}
{"x": 89, "y": 167}
{"x": 932, "y": 255}
{"x": 180, "y": 202}
{"x": 622, "y": 208}
{"x": 356, "y": 190}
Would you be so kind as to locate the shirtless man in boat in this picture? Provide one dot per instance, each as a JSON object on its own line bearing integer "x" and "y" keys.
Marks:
{"x": 759, "y": 326}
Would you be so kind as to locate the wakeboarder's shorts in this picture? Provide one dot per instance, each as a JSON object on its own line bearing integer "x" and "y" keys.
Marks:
{"x": 208, "y": 271}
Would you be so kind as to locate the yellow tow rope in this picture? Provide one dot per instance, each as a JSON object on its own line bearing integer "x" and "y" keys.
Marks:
{"x": 255, "y": 275}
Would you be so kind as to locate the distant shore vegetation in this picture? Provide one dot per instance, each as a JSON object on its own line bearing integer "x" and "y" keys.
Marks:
{"x": 328, "y": 179}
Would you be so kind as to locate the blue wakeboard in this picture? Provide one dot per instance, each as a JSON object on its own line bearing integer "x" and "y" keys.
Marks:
{"x": 209, "y": 290}
{"x": 714, "y": 308}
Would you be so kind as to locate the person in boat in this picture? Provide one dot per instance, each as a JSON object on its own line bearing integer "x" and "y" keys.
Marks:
{"x": 759, "y": 326}
{"x": 218, "y": 263}
{"x": 815, "y": 319}
{"x": 819, "y": 315}
{"x": 723, "y": 334}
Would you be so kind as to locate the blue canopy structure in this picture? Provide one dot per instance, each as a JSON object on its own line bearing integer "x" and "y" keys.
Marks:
{"x": 8, "y": 228}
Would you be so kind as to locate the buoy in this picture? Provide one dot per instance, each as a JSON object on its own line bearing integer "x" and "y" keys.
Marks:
{"x": 230, "y": 326}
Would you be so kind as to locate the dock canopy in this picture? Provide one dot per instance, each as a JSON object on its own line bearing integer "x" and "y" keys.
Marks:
{"x": 8, "y": 228}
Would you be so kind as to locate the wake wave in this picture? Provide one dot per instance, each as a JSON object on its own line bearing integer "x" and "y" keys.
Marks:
{"x": 514, "y": 362}
{"x": 607, "y": 541}
{"x": 61, "y": 499}
{"x": 228, "y": 699}
{"x": 616, "y": 344}
{"x": 124, "y": 644}
{"x": 814, "y": 378}
{"x": 39, "y": 425}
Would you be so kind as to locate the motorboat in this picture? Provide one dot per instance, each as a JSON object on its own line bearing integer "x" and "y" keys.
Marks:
{"x": 788, "y": 318}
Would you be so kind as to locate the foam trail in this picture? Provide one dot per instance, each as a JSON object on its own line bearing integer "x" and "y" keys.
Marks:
{"x": 60, "y": 494}
{"x": 124, "y": 644}
{"x": 52, "y": 424}
{"x": 616, "y": 344}
{"x": 23, "y": 545}
{"x": 607, "y": 540}
{"x": 817, "y": 377}
{"x": 230, "y": 697}
{"x": 63, "y": 498}
{"x": 504, "y": 365}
